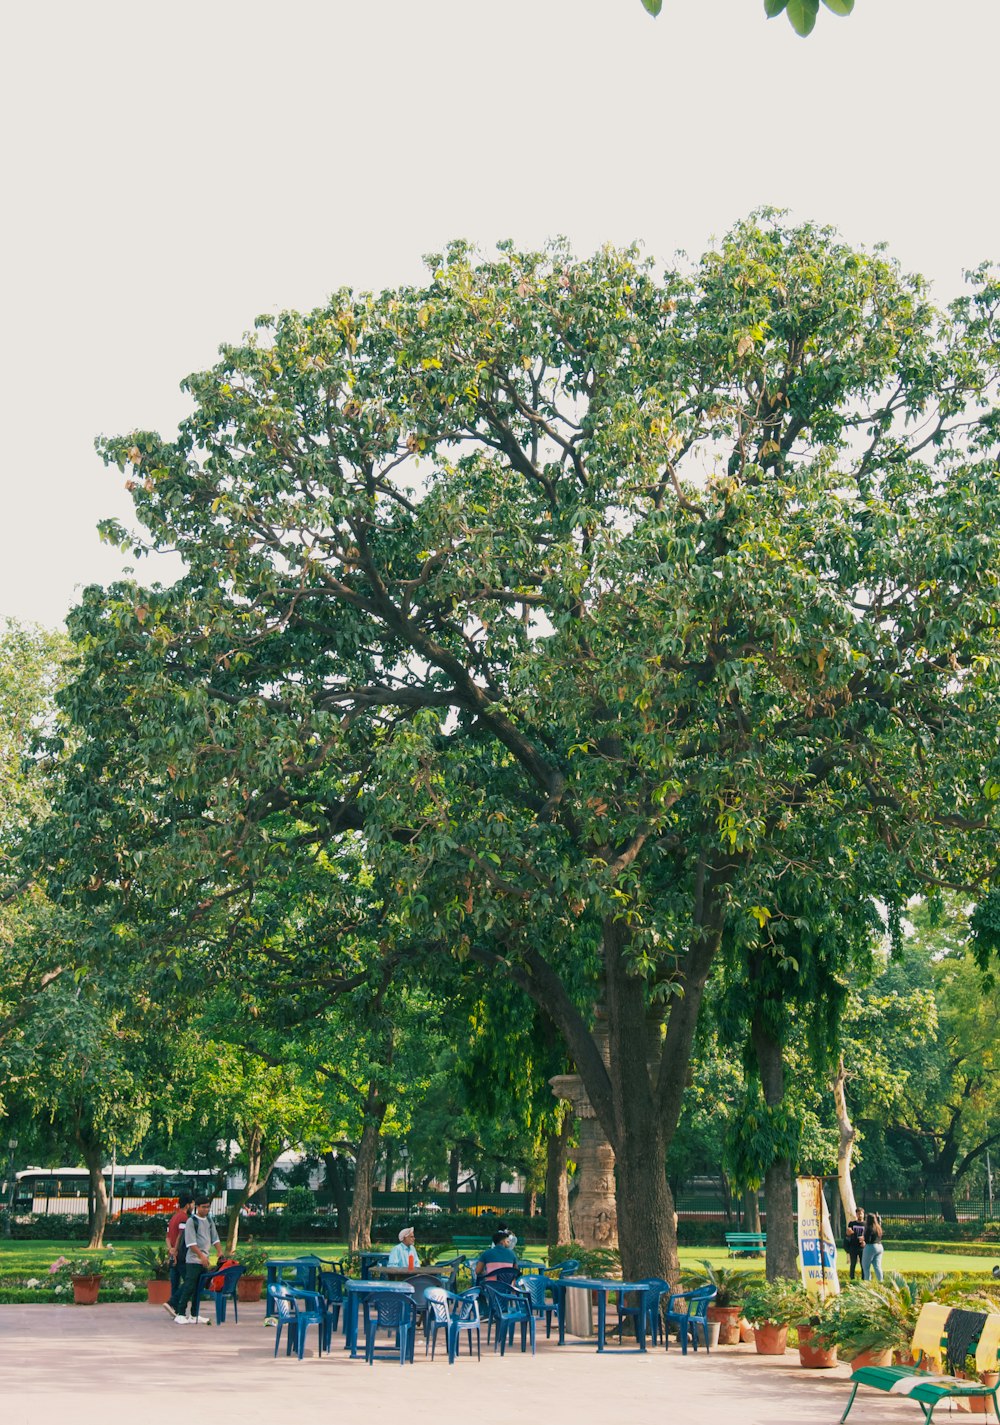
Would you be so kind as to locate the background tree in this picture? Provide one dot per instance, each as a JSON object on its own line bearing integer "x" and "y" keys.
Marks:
{"x": 595, "y": 602}
{"x": 801, "y": 13}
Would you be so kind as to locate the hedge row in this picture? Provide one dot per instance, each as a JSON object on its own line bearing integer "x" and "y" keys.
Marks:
{"x": 286, "y": 1227}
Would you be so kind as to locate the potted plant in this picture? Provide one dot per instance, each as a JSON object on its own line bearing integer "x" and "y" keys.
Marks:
{"x": 730, "y": 1287}
{"x": 979, "y": 1404}
{"x": 85, "y": 1273}
{"x": 771, "y": 1307}
{"x": 870, "y": 1321}
{"x": 817, "y": 1349}
{"x": 253, "y": 1260}
{"x": 153, "y": 1262}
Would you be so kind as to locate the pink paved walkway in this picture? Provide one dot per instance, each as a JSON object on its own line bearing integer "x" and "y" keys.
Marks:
{"x": 129, "y": 1365}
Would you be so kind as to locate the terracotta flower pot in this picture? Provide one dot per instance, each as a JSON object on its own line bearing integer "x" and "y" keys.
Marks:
{"x": 871, "y": 1358}
{"x": 157, "y": 1292}
{"x": 728, "y": 1318}
{"x": 249, "y": 1288}
{"x": 746, "y": 1331}
{"x": 770, "y": 1340}
{"x": 814, "y": 1357}
{"x": 85, "y": 1290}
{"x": 983, "y": 1404}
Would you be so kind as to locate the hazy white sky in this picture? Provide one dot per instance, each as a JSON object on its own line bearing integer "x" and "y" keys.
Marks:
{"x": 170, "y": 171}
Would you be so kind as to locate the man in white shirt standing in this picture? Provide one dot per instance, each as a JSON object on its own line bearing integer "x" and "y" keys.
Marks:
{"x": 200, "y": 1237}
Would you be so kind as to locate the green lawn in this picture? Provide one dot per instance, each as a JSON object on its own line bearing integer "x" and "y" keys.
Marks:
{"x": 33, "y": 1258}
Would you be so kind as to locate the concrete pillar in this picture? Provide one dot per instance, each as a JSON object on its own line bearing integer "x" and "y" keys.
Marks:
{"x": 594, "y": 1211}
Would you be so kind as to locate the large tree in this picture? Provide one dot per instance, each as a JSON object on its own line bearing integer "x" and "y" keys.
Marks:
{"x": 598, "y": 604}
{"x": 801, "y": 13}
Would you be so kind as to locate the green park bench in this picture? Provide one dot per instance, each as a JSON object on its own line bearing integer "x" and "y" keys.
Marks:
{"x": 746, "y": 1244}
{"x": 471, "y": 1244}
{"x": 926, "y": 1389}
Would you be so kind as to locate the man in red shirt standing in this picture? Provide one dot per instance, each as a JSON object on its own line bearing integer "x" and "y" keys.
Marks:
{"x": 175, "y": 1247}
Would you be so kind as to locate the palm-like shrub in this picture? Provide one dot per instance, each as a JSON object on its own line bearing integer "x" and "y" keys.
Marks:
{"x": 731, "y": 1283}
{"x": 877, "y": 1316}
{"x": 773, "y": 1303}
{"x": 152, "y": 1261}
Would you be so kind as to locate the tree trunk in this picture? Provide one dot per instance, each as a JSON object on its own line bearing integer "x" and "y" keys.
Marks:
{"x": 336, "y": 1177}
{"x": 359, "y": 1234}
{"x": 97, "y": 1190}
{"x": 558, "y": 1228}
{"x": 647, "y": 1235}
{"x": 946, "y": 1199}
{"x": 782, "y": 1258}
{"x": 751, "y": 1210}
{"x": 647, "y": 1222}
{"x": 453, "y": 1166}
{"x": 639, "y": 1111}
{"x": 727, "y": 1201}
{"x": 257, "y": 1177}
{"x": 845, "y": 1147}
{"x": 782, "y": 1250}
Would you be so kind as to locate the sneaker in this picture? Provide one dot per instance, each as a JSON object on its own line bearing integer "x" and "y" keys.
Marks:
{"x": 181, "y": 1320}
{"x": 202, "y": 1320}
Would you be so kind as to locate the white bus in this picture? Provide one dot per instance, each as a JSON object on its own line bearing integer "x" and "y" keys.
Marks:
{"x": 143, "y": 1188}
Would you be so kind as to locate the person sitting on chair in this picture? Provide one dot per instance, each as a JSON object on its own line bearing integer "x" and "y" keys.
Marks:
{"x": 499, "y": 1255}
{"x": 404, "y": 1255}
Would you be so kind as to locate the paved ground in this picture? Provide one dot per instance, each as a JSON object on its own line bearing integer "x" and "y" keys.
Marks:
{"x": 130, "y": 1365}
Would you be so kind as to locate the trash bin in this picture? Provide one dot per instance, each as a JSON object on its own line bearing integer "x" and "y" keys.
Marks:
{"x": 579, "y": 1312}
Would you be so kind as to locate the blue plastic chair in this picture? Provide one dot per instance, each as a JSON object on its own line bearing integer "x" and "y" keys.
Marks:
{"x": 543, "y": 1303}
{"x": 565, "y": 1269}
{"x": 298, "y": 1310}
{"x": 657, "y": 1288}
{"x": 372, "y": 1259}
{"x": 692, "y": 1314}
{"x": 455, "y": 1314}
{"x": 331, "y": 1284}
{"x": 465, "y": 1317}
{"x": 504, "y": 1278}
{"x": 226, "y": 1292}
{"x": 509, "y": 1309}
{"x": 392, "y": 1311}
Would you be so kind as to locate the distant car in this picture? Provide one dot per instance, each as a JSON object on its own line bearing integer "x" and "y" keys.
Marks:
{"x": 428, "y": 1207}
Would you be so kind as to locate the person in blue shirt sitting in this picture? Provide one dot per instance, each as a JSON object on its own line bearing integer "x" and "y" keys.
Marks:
{"x": 501, "y": 1254}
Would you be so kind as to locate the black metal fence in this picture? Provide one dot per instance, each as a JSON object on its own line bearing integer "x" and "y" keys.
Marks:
{"x": 708, "y": 1205}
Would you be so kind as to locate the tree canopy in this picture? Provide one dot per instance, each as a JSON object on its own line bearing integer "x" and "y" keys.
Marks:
{"x": 621, "y": 624}
{"x": 801, "y": 13}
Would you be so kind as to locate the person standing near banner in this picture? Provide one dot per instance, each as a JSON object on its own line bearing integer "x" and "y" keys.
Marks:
{"x": 871, "y": 1257}
{"x": 855, "y": 1242}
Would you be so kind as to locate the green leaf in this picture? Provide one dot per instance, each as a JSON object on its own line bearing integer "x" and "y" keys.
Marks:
{"x": 839, "y": 7}
{"x": 653, "y": 6}
{"x": 774, "y": 7}
{"x": 802, "y": 14}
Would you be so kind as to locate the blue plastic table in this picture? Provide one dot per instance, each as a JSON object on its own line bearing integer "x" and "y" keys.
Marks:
{"x": 603, "y": 1289}
{"x": 291, "y": 1271}
{"x": 354, "y": 1292}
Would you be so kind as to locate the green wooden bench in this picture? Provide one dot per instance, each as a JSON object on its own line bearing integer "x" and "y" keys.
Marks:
{"x": 926, "y": 1389}
{"x": 746, "y": 1244}
{"x": 471, "y": 1244}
